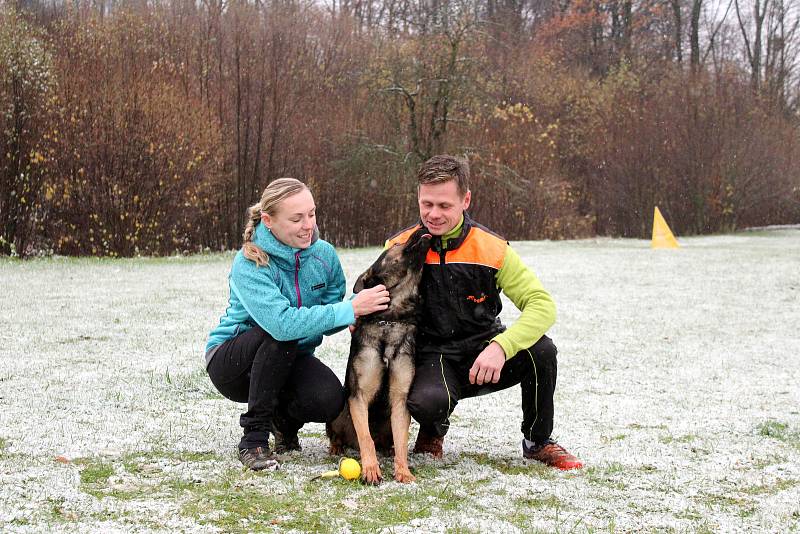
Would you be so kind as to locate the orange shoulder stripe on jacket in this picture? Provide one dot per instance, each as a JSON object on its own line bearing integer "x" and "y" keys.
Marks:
{"x": 479, "y": 247}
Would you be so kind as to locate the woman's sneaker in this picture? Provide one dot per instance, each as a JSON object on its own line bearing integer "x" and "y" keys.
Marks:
{"x": 552, "y": 454}
{"x": 258, "y": 458}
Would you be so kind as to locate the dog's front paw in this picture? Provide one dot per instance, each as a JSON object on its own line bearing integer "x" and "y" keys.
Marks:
{"x": 371, "y": 473}
{"x": 403, "y": 474}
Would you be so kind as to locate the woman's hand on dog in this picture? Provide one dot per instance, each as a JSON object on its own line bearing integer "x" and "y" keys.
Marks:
{"x": 370, "y": 300}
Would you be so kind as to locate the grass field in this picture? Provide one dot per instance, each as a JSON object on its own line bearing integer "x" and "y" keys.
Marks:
{"x": 679, "y": 387}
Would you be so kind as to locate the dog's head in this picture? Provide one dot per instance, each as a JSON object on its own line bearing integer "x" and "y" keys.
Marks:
{"x": 399, "y": 266}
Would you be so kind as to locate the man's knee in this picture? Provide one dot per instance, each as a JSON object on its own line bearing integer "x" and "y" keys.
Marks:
{"x": 545, "y": 350}
{"x": 428, "y": 405}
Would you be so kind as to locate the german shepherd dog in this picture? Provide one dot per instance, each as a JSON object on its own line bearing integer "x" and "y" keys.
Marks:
{"x": 381, "y": 342}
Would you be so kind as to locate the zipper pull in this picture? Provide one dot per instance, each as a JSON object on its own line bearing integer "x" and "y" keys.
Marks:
{"x": 297, "y": 278}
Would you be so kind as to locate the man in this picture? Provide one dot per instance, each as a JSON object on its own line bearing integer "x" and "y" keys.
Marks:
{"x": 463, "y": 350}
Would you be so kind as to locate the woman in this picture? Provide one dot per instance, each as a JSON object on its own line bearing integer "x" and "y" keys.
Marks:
{"x": 286, "y": 290}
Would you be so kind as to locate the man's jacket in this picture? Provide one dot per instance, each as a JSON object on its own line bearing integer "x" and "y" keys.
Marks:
{"x": 464, "y": 273}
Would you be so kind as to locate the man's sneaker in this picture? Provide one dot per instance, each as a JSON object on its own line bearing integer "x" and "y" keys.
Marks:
{"x": 429, "y": 444}
{"x": 258, "y": 458}
{"x": 552, "y": 454}
{"x": 286, "y": 441}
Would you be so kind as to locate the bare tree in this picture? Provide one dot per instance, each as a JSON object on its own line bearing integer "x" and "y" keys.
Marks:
{"x": 753, "y": 43}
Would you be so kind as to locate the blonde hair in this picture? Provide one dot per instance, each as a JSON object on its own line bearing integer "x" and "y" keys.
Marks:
{"x": 273, "y": 195}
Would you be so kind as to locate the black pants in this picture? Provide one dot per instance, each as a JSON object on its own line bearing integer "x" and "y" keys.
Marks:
{"x": 440, "y": 382}
{"x": 281, "y": 387}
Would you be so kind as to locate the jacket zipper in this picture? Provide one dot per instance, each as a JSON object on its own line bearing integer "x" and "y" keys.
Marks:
{"x": 297, "y": 279}
{"x": 443, "y": 262}
{"x": 446, "y": 282}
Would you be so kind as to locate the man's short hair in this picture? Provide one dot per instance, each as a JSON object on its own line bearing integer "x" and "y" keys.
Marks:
{"x": 443, "y": 168}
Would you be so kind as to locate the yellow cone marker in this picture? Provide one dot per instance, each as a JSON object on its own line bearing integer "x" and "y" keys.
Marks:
{"x": 662, "y": 235}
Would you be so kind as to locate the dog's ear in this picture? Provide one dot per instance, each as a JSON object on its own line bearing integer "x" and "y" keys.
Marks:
{"x": 365, "y": 280}
{"x": 371, "y": 277}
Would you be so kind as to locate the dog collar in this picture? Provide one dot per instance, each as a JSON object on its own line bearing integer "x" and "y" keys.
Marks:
{"x": 390, "y": 323}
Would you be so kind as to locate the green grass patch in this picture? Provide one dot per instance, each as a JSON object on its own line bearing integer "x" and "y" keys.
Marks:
{"x": 761, "y": 463}
{"x": 136, "y": 462}
{"x": 242, "y": 501}
{"x": 776, "y": 487}
{"x": 512, "y": 466}
{"x": 400, "y": 508}
{"x": 747, "y": 511}
{"x": 58, "y": 513}
{"x": 780, "y": 431}
{"x": 426, "y": 471}
{"x": 312, "y": 434}
{"x": 705, "y": 528}
{"x": 192, "y": 385}
{"x": 539, "y": 502}
{"x": 691, "y": 514}
{"x": 3, "y": 447}
{"x": 721, "y": 500}
{"x": 144, "y": 474}
{"x": 95, "y": 472}
{"x": 774, "y": 429}
{"x": 235, "y": 507}
{"x": 528, "y": 509}
{"x": 738, "y": 504}
{"x": 687, "y": 438}
{"x": 608, "y": 476}
{"x": 94, "y": 476}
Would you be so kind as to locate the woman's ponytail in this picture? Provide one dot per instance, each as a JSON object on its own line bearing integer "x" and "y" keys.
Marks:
{"x": 250, "y": 250}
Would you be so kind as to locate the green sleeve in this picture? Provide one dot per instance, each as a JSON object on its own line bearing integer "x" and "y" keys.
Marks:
{"x": 523, "y": 288}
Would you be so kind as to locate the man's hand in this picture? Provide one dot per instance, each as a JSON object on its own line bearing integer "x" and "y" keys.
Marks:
{"x": 488, "y": 365}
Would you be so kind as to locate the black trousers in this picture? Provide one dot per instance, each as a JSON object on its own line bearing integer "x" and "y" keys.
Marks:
{"x": 283, "y": 389}
{"x": 440, "y": 382}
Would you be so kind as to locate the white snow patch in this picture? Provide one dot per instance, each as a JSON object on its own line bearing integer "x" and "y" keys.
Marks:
{"x": 671, "y": 363}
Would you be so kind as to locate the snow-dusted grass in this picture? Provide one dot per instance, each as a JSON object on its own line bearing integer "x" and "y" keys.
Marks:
{"x": 678, "y": 386}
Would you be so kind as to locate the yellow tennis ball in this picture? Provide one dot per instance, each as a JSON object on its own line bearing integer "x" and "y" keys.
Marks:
{"x": 349, "y": 469}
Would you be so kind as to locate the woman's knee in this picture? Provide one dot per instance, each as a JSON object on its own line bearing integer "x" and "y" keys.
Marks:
{"x": 330, "y": 402}
{"x": 320, "y": 404}
{"x": 268, "y": 341}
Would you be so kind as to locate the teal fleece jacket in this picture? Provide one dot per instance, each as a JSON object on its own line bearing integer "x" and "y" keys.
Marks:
{"x": 298, "y": 295}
